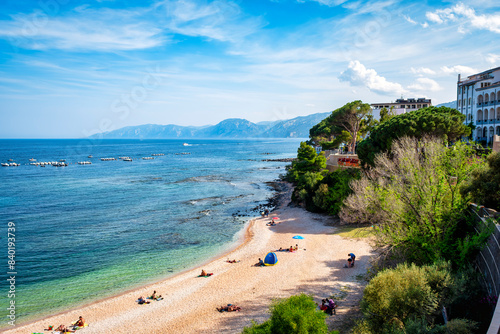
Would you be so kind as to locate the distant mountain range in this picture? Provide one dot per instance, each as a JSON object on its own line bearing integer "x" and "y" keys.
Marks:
{"x": 230, "y": 128}
{"x": 452, "y": 104}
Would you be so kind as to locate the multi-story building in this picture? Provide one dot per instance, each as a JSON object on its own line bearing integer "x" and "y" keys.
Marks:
{"x": 401, "y": 106}
{"x": 478, "y": 98}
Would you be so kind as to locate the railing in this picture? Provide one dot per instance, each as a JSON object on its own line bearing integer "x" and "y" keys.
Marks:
{"x": 488, "y": 260}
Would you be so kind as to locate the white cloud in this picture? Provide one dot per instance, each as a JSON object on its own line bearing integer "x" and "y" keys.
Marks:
{"x": 422, "y": 70}
{"x": 425, "y": 85}
{"x": 98, "y": 30}
{"x": 458, "y": 69}
{"x": 218, "y": 20}
{"x": 493, "y": 58}
{"x": 467, "y": 18}
{"x": 409, "y": 19}
{"x": 329, "y": 3}
{"x": 358, "y": 75}
{"x": 425, "y": 25}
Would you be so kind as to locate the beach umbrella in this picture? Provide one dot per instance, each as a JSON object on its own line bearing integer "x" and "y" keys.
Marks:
{"x": 275, "y": 217}
{"x": 297, "y": 237}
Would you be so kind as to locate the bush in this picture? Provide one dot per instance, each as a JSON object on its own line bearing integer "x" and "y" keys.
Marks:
{"x": 484, "y": 186}
{"x": 396, "y": 295}
{"x": 414, "y": 197}
{"x": 295, "y": 315}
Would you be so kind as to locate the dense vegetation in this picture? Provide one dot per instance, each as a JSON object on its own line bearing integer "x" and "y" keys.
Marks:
{"x": 317, "y": 189}
{"x": 297, "y": 314}
{"x": 413, "y": 197}
{"x": 445, "y": 123}
{"x": 484, "y": 186}
{"x": 410, "y": 299}
{"x": 415, "y": 191}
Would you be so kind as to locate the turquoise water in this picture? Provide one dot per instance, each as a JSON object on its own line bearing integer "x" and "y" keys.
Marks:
{"x": 85, "y": 232}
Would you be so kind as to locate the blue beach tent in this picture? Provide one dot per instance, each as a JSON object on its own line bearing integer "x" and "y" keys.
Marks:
{"x": 271, "y": 259}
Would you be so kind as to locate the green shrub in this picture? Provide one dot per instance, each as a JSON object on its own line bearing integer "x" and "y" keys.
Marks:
{"x": 395, "y": 295}
{"x": 295, "y": 315}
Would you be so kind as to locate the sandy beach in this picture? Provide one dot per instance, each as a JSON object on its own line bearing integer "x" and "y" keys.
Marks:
{"x": 189, "y": 304}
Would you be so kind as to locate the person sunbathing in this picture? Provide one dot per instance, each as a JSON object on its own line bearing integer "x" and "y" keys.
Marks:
{"x": 142, "y": 300}
{"x": 231, "y": 261}
{"x": 229, "y": 308}
{"x": 80, "y": 322}
{"x": 62, "y": 328}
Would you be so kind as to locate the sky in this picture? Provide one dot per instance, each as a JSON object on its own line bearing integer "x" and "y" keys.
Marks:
{"x": 71, "y": 68}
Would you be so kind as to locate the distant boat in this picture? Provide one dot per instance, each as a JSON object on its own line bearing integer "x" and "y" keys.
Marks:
{"x": 90, "y": 156}
{"x": 185, "y": 144}
{"x": 32, "y": 159}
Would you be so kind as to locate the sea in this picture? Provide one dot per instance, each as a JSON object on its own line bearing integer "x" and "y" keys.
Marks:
{"x": 84, "y": 232}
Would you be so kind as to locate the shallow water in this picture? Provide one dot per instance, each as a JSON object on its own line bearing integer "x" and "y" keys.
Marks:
{"x": 85, "y": 232}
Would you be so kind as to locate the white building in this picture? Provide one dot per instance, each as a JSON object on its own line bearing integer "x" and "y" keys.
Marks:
{"x": 401, "y": 106}
{"x": 478, "y": 98}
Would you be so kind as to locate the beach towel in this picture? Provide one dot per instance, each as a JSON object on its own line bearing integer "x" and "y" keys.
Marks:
{"x": 208, "y": 275}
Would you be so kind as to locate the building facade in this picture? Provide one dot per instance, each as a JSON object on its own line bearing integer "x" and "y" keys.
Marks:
{"x": 478, "y": 98}
{"x": 401, "y": 106}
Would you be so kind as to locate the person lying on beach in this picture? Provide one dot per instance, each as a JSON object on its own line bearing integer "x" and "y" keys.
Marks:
{"x": 80, "y": 322}
{"x": 229, "y": 308}
{"x": 291, "y": 249}
{"x": 232, "y": 261}
{"x": 63, "y": 329}
{"x": 142, "y": 300}
{"x": 271, "y": 223}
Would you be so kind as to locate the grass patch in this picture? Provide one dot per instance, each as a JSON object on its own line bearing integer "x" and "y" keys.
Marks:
{"x": 356, "y": 232}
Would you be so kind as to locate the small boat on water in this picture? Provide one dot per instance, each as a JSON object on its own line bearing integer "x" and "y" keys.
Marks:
{"x": 10, "y": 160}
{"x": 157, "y": 154}
{"x": 185, "y": 144}
{"x": 148, "y": 158}
{"x": 90, "y": 156}
{"x": 84, "y": 163}
{"x": 127, "y": 159}
{"x": 32, "y": 159}
{"x": 4, "y": 164}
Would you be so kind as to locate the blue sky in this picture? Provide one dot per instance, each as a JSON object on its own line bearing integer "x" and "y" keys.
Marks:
{"x": 72, "y": 68}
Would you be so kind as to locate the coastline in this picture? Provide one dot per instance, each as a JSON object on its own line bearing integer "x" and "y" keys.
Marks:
{"x": 189, "y": 304}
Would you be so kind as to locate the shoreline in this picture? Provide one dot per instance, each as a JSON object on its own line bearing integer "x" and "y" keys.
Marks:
{"x": 245, "y": 235}
{"x": 189, "y": 302}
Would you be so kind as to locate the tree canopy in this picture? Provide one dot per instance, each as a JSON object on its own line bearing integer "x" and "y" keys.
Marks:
{"x": 349, "y": 122}
{"x": 445, "y": 123}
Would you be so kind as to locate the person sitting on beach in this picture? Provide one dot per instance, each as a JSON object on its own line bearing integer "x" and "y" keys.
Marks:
{"x": 80, "y": 322}
{"x": 323, "y": 306}
{"x": 291, "y": 249}
{"x": 260, "y": 263}
{"x": 154, "y": 296}
{"x": 296, "y": 247}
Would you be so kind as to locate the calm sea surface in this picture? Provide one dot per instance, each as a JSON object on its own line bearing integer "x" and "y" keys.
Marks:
{"x": 85, "y": 232}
